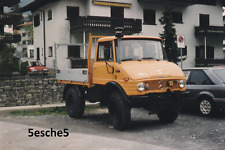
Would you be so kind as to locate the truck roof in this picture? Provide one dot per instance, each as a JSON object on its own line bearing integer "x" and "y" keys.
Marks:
{"x": 108, "y": 38}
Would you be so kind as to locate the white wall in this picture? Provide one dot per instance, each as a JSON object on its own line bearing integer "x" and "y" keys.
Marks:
{"x": 58, "y": 29}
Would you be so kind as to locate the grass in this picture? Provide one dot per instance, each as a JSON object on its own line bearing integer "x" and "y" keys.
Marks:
{"x": 48, "y": 111}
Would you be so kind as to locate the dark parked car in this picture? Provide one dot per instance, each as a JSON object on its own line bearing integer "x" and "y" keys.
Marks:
{"x": 205, "y": 90}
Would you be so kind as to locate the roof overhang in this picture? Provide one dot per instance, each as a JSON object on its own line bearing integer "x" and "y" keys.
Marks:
{"x": 36, "y": 5}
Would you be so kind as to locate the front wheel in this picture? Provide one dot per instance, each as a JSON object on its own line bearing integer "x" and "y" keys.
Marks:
{"x": 75, "y": 103}
{"x": 167, "y": 116}
{"x": 119, "y": 111}
{"x": 207, "y": 107}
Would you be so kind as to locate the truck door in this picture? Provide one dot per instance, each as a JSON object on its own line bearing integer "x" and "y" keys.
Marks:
{"x": 103, "y": 66}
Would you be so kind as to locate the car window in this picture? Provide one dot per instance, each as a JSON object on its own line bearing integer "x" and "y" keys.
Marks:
{"x": 220, "y": 73}
{"x": 187, "y": 73}
{"x": 105, "y": 51}
{"x": 198, "y": 77}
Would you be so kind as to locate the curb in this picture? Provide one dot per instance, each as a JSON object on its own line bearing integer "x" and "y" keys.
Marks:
{"x": 15, "y": 108}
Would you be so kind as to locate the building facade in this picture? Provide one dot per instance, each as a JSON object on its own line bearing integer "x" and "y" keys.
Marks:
{"x": 7, "y": 20}
{"x": 62, "y": 27}
{"x": 26, "y": 44}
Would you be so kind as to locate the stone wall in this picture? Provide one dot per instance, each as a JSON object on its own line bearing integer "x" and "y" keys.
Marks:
{"x": 30, "y": 91}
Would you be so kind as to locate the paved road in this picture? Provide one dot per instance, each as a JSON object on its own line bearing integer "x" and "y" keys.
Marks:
{"x": 94, "y": 131}
{"x": 14, "y": 136}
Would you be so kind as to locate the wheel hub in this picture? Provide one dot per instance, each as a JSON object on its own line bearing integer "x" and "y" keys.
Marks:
{"x": 205, "y": 107}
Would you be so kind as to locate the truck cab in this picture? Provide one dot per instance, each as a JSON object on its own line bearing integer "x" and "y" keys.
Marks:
{"x": 125, "y": 72}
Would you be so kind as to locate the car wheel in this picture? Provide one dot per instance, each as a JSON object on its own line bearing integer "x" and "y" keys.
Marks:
{"x": 75, "y": 103}
{"x": 207, "y": 107}
{"x": 119, "y": 111}
{"x": 167, "y": 116}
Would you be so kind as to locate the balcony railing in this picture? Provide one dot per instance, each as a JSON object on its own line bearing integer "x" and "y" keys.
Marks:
{"x": 210, "y": 30}
{"x": 105, "y": 24}
{"x": 9, "y": 3}
{"x": 10, "y": 38}
{"x": 209, "y": 62}
{"x": 9, "y": 18}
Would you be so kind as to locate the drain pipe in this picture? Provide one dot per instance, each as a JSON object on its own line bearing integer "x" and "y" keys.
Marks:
{"x": 44, "y": 35}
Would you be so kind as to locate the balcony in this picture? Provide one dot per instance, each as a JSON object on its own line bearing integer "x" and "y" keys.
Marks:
{"x": 210, "y": 30}
{"x": 209, "y": 62}
{"x": 9, "y": 18}
{"x": 86, "y": 23}
{"x": 9, "y": 3}
{"x": 10, "y": 38}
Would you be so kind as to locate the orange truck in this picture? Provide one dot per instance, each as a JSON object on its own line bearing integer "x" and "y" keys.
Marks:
{"x": 124, "y": 72}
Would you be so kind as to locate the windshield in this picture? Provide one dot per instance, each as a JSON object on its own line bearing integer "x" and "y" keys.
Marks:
{"x": 139, "y": 49}
{"x": 33, "y": 64}
{"x": 220, "y": 73}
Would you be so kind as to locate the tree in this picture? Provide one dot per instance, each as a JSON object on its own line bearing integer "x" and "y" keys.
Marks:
{"x": 8, "y": 62}
{"x": 169, "y": 36}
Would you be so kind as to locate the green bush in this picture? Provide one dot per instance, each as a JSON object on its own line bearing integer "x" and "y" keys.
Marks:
{"x": 8, "y": 62}
{"x": 24, "y": 68}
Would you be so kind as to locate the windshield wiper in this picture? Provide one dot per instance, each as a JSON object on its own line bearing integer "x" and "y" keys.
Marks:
{"x": 131, "y": 59}
{"x": 150, "y": 58}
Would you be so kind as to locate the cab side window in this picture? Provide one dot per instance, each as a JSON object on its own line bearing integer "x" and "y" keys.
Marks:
{"x": 105, "y": 51}
{"x": 199, "y": 77}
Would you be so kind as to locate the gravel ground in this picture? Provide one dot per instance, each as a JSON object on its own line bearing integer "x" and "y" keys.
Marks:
{"x": 188, "y": 132}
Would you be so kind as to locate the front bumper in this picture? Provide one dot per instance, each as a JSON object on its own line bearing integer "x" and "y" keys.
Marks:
{"x": 38, "y": 72}
{"x": 157, "y": 101}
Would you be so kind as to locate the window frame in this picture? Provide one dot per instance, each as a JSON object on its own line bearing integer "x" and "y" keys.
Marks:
{"x": 49, "y": 14}
{"x": 149, "y": 17}
{"x": 111, "y": 52}
{"x": 37, "y": 20}
{"x": 177, "y": 17}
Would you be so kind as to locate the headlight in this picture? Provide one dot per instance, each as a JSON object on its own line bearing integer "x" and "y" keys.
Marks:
{"x": 181, "y": 84}
{"x": 141, "y": 86}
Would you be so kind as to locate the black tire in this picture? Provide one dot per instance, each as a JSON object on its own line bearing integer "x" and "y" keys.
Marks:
{"x": 119, "y": 111}
{"x": 75, "y": 102}
{"x": 167, "y": 116}
{"x": 207, "y": 107}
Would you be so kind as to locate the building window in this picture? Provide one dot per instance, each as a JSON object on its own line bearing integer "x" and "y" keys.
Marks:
{"x": 37, "y": 20}
{"x": 149, "y": 17}
{"x": 200, "y": 52}
{"x": 203, "y": 20}
{"x": 24, "y": 42}
{"x": 24, "y": 52}
{"x": 23, "y": 34}
{"x": 72, "y": 12}
{"x": 177, "y": 17}
{"x": 74, "y": 51}
{"x": 50, "y": 52}
{"x": 117, "y": 12}
{"x": 50, "y": 15}
{"x": 29, "y": 42}
{"x": 31, "y": 53}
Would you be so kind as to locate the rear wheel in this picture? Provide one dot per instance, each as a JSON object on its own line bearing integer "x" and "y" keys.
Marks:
{"x": 207, "y": 107}
{"x": 168, "y": 116}
{"x": 75, "y": 103}
{"x": 119, "y": 111}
